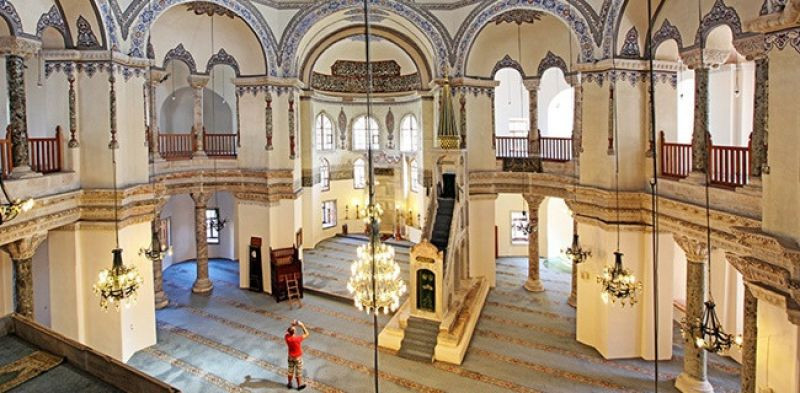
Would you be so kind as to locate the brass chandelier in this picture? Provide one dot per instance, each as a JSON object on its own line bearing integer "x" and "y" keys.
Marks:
{"x": 12, "y": 207}
{"x": 575, "y": 252}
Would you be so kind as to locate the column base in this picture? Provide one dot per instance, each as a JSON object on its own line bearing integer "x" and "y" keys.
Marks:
{"x": 202, "y": 285}
{"x": 572, "y": 301}
{"x": 23, "y": 172}
{"x": 696, "y": 177}
{"x": 534, "y": 285}
{"x": 199, "y": 154}
{"x": 687, "y": 384}
{"x": 161, "y": 300}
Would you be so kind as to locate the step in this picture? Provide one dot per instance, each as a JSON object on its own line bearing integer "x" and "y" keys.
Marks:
{"x": 417, "y": 356}
{"x": 422, "y": 333}
{"x": 419, "y": 347}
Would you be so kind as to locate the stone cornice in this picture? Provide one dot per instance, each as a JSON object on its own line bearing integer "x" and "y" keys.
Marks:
{"x": 628, "y": 65}
{"x": 268, "y": 81}
{"x": 77, "y": 56}
{"x": 786, "y": 19}
{"x": 19, "y": 46}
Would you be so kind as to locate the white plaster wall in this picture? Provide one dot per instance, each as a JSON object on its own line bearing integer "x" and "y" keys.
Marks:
{"x": 46, "y": 100}
{"x": 778, "y": 352}
{"x": 481, "y": 232}
{"x": 510, "y": 101}
{"x": 556, "y": 104}
{"x": 6, "y": 284}
{"x": 557, "y": 234}
{"x": 252, "y": 220}
{"x": 731, "y": 114}
{"x": 504, "y": 205}
{"x": 68, "y": 284}
{"x": 41, "y": 284}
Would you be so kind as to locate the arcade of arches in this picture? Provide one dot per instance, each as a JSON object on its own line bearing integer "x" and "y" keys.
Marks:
{"x": 237, "y": 132}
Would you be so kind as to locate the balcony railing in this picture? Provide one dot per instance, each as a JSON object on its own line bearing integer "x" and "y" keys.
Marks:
{"x": 676, "y": 158}
{"x": 556, "y": 149}
{"x": 173, "y": 146}
{"x": 44, "y": 154}
{"x": 728, "y": 166}
{"x": 220, "y": 145}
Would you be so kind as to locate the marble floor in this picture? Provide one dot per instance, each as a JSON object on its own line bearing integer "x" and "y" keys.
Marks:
{"x": 232, "y": 340}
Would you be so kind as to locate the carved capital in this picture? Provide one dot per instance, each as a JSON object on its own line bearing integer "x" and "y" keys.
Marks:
{"x": 531, "y": 84}
{"x": 200, "y": 199}
{"x": 696, "y": 251}
{"x": 197, "y": 81}
{"x": 533, "y": 202}
{"x": 24, "y": 248}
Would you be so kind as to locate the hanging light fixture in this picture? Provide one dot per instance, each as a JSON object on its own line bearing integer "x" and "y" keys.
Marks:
{"x": 12, "y": 207}
{"x": 575, "y": 252}
{"x": 217, "y": 224}
{"x": 375, "y": 281}
{"x": 121, "y": 283}
{"x": 617, "y": 282}
{"x": 707, "y": 332}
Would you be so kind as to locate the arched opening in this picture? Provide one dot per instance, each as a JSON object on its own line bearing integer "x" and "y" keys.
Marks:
{"x": 556, "y": 105}
{"x": 366, "y": 130}
{"x": 511, "y": 102}
{"x": 325, "y": 175}
{"x": 409, "y": 134}
{"x": 323, "y": 131}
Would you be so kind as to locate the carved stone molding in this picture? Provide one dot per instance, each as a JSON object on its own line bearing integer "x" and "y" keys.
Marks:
{"x": 24, "y": 248}
{"x": 19, "y": 46}
{"x": 181, "y": 54}
{"x": 696, "y": 251}
{"x": 86, "y": 38}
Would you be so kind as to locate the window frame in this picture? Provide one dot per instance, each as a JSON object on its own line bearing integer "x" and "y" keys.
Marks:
{"x": 324, "y": 135}
{"x": 366, "y": 137}
{"x": 359, "y": 163}
{"x": 409, "y": 137}
{"x": 522, "y": 239}
{"x": 213, "y": 236}
{"x": 414, "y": 178}
{"x": 325, "y": 175}
{"x": 329, "y": 214}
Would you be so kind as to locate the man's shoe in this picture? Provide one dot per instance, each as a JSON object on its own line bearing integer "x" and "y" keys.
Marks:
{"x": 301, "y": 387}
{"x": 289, "y": 385}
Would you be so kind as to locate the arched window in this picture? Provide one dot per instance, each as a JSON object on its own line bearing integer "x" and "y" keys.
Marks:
{"x": 359, "y": 174}
{"x": 363, "y": 126}
{"x": 414, "y": 176}
{"x": 325, "y": 175}
{"x": 510, "y": 104}
{"x": 323, "y": 128}
{"x": 409, "y": 134}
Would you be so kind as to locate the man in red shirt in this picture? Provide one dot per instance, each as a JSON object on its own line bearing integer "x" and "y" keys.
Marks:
{"x": 294, "y": 344}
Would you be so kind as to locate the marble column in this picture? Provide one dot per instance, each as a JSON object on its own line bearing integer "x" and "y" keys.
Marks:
{"x": 758, "y": 138}
{"x": 749, "y": 342}
{"x": 534, "y": 152}
{"x": 694, "y": 377}
{"x": 152, "y": 105}
{"x": 202, "y": 284}
{"x": 577, "y": 116}
{"x": 198, "y": 83}
{"x": 161, "y": 299}
{"x": 699, "y": 137}
{"x": 534, "y": 283}
{"x": 21, "y": 252}
{"x": 18, "y": 124}
{"x": 573, "y": 293}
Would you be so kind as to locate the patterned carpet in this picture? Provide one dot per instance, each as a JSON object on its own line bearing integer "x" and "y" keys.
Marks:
{"x": 232, "y": 341}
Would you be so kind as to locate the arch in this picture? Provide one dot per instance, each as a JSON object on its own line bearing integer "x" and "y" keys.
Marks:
{"x": 222, "y": 58}
{"x": 324, "y": 174}
{"x": 9, "y": 13}
{"x": 508, "y": 62}
{"x": 402, "y": 41}
{"x": 366, "y": 135}
{"x": 252, "y": 17}
{"x": 323, "y": 132}
{"x": 551, "y": 60}
{"x": 297, "y": 28}
{"x": 666, "y": 32}
{"x": 359, "y": 173}
{"x": 409, "y": 133}
{"x": 106, "y": 19}
{"x": 55, "y": 19}
{"x": 480, "y": 17}
{"x": 180, "y": 53}
{"x": 720, "y": 14}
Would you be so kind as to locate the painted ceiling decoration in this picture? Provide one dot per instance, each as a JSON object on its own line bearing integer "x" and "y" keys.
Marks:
{"x": 54, "y": 19}
{"x": 667, "y": 32}
{"x": 508, "y": 62}
{"x": 181, "y": 54}
{"x": 630, "y": 48}
{"x": 86, "y": 37}
{"x": 11, "y": 17}
{"x": 772, "y": 7}
{"x": 348, "y": 76}
{"x": 519, "y": 17}
{"x": 551, "y": 60}
{"x": 719, "y": 15}
{"x": 210, "y": 9}
{"x": 357, "y": 15}
{"x": 222, "y": 58}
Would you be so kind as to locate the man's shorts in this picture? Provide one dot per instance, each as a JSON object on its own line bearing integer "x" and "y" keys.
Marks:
{"x": 295, "y": 366}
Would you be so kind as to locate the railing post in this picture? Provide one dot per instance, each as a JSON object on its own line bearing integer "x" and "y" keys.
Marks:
{"x": 58, "y": 149}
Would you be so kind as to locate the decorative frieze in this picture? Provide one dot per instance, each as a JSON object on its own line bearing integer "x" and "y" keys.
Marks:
{"x": 667, "y": 32}
{"x": 781, "y": 39}
{"x": 551, "y": 60}
{"x": 720, "y": 14}
{"x": 53, "y": 19}
{"x": 349, "y": 76}
{"x": 223, "y": 58}
{"x": 630, "y": 47}
{"x": 181, "y": 54}
{"x": 507, "y": 62}
{"x": 11, "y": 17}
{"x": 634, "y": 77}
{"x": 91, "y": 68}
{"x": 342, "y": 128}
{"x": 210, "y": 9}
{"x": 518, "y": 16}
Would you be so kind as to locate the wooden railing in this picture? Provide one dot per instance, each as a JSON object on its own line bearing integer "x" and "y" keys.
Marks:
{"x": 44, "y": 154}
{"x": 176, "y": 146}
{"x": 556, "y": 149}
{"x": 511, "y": 147}
{"x": 676, "y": 158}
{"x": 220, "y": 145}
{"x": 728, "y": 166}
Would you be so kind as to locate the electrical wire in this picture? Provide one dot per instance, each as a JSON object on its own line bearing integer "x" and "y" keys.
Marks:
{"x": 612, "y": 93}
{"x": 373, "y": 221}
{"x": 707, "y": 140}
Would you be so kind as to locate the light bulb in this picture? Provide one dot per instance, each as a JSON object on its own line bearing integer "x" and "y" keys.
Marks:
{"x": 28, "y": 205}
{"x": 699, "y": 343}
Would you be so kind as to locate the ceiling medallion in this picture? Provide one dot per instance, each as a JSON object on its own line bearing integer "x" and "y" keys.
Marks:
{"x": 206, "y": 8}
{"x": 518, "y": 16}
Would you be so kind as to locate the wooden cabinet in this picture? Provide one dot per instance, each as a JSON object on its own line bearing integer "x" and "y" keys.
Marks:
{"x": 285, "y": 263}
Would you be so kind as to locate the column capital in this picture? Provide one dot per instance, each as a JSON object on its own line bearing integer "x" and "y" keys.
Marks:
{"x": 19, "y": 46}
{"x": 710, "y": 57}
{"x": 24, "y": 248}
{"x": 200, "y": 198}
{"x": 531, "y": 83}
{"x": 696, "y": 251}
{"x": 574, "y": 79}
{"x": 197, "y": 81}
{"x": 533, "y": 201}
{"x": 156, "y": 76}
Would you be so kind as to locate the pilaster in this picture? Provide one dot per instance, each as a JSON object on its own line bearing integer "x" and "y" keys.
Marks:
{"x": 21, "y": 252}
{"x": 202, "y": 284}
{"x": 534, "y": 282}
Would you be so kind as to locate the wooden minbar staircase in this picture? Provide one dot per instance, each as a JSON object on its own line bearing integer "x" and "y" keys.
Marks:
{"x": 419, "y": 342}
